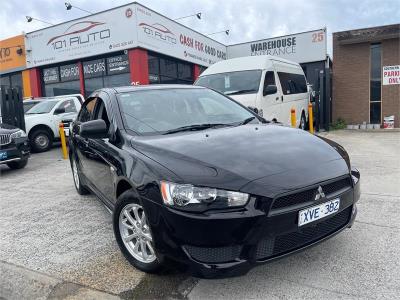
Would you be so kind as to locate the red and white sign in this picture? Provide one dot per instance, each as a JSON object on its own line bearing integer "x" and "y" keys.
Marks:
{"x": 391, "y": 75}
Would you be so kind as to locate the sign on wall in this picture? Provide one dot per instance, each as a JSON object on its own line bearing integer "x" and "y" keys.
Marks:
{"x": 69, "y": 72}
{"x": 160, "y": 34}
{"x": 96, "y": 34}
{"x": 50, "y": 75}
{"x": 302, "y": 47}
{"x": 391, "y": 75}
{"x": 94, "y": 68}
{"x": 12, "y": 54}
{"x": 117, "y": 64}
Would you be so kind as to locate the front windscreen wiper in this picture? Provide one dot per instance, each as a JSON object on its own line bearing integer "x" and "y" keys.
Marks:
{"x": 245, "y": 121}
{"x": 239, "y": 92}
{"x": 195, "y": 127}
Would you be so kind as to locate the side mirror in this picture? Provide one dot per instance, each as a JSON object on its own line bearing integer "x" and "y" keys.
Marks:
{"x": 95, "y": 129}
{"x": 255, "y": 109}
{"x": 270, "y": 89}
{"x": 60, "y": 110}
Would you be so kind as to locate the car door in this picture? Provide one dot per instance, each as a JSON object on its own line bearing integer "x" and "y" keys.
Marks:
{"x": 271, "y": 103}
{"x": 64, "y": 112}
{"x": 81, "y": 144}
{"x": 102, "y": 163}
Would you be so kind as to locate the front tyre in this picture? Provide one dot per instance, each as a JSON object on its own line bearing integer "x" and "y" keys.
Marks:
{"x": 41, "y": 140}
{"x": 80, "y": 188}
{"x": 133, "y": 234}
{"x": 18, "y": 164}
{"x": 303, "y": 122}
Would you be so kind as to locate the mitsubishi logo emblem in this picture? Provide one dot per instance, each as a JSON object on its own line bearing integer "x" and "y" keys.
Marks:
{"x": 320, "y": 194}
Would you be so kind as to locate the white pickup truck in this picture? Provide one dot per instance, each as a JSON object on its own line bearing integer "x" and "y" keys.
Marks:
{"x": 42, "y": 121}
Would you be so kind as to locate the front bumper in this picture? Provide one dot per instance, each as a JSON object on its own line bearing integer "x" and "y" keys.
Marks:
{"x": 229, "y": 243}
{"x": 17, "y": 150}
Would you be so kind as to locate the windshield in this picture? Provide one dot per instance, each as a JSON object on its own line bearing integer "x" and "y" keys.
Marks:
{"x": 29, "y": 105}
{"x": 241, "y": 82}
{"x": 165, "y": 110}
{"x": 43, "y": 107}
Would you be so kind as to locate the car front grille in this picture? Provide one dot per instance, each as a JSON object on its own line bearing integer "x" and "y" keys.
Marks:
{"x": 291, "y": 241}
{"x": 308, "y": 195}
{"x": 5, "y": 139}
{"x": 214, "y": 255}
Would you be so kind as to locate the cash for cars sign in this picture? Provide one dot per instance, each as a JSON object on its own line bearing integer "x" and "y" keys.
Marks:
{"x": 391, "y": 75}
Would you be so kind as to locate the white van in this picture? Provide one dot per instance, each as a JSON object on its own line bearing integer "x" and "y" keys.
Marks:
{"x": 271, "y": 84}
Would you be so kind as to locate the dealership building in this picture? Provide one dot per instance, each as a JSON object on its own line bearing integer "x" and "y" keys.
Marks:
{"x": 133, "y": 44}
{"x": 366, "y": 75}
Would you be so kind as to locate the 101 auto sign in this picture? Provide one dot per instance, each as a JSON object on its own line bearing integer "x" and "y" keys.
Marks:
{"x": 158, "y": 33}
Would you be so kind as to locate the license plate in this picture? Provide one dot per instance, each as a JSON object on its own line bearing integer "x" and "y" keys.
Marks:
{"x": 3, "y": 155}
{"x": 317, "y": 212}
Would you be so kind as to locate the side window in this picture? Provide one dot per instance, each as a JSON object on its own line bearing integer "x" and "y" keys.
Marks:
{"x": 292, "y": 83}
{"x": 101, "y": 112}
{"x": 269, "y": 78}
{"x": 68, "y": 105}
{"x": 87, "y": 110}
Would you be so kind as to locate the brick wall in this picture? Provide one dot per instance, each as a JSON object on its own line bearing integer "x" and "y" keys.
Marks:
{"x": 350, "y": 92}
{"x": 391, "y": 93}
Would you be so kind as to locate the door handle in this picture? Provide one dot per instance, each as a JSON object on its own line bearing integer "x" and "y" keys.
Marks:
{"x": 277, "y": 98}
{"x": 282, "y": 98}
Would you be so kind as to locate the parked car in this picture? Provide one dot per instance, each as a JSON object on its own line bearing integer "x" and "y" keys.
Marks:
{"x": 193, "y": 176}
{"x": 14, "y": 147}
{"x": 271, "y": 85}
{"x": 28, "y": 104}
{"x": 42, "y": 121}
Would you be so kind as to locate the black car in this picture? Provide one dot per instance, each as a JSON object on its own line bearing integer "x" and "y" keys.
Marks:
{"x": 193, "y": 176}
{"x": 14, "y": 146}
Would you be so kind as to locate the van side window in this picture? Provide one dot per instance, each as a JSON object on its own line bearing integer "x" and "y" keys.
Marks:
{"x": 269, "y": 78}
{"x": 292, "y": 83}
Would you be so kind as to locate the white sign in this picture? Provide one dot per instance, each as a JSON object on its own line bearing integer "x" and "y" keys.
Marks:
{"x": 101, "y": 33}
{"x": 160, "y": 34}
{"x": 391, "y": 75}
{"x": 302, "y": 47}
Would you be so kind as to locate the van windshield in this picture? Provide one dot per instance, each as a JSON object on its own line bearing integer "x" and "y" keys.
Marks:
{"x": 233, "y": 83}
{"x": 43, "y": 107}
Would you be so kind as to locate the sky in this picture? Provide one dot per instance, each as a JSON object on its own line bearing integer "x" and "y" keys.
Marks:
{"x": 246, "y": 19}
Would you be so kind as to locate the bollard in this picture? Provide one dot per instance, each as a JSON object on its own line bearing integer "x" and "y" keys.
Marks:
{"x": 310, "y": 118}
{"x": 63, "y": 142}
{"x": 293, "y": 117}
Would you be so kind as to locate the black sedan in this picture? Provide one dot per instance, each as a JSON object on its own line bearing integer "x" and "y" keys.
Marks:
{"x": 193, "y": 176}
{"x": 14, "y": 146}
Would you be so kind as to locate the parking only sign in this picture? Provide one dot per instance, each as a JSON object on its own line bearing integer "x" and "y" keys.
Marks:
{"x": 391, "y": 75}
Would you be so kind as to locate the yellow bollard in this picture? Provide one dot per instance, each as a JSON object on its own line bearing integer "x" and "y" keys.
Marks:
{"x": 63, "y": 142}
{"x": 293, "y": 117}
{"x": 310, "y": 118}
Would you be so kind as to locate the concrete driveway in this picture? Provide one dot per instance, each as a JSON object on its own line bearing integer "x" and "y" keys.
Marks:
{"x": 56, "y": 244}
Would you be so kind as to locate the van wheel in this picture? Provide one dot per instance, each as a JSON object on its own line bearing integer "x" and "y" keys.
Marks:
{"x": 41, "y": 140}
{"x": 303, "y": 122}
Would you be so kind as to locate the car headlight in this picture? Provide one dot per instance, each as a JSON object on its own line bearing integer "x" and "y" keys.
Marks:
{"x": 19, "y": 134}
{"x": 187, "y": 195}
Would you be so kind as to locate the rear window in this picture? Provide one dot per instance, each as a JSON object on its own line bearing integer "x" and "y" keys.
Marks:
{"x": 292, "y": 83}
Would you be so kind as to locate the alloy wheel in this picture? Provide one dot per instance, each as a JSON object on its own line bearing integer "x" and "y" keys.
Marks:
{"x": 135, "y": 233}
{"x": 42, "y": 141}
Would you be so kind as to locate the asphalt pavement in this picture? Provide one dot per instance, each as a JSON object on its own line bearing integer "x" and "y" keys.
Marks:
{"x": 55, "y": 244}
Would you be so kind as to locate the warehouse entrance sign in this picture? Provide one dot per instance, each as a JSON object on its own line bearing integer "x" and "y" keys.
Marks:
{"x": 391, "y": 75}
{"x": 302, "y": 47}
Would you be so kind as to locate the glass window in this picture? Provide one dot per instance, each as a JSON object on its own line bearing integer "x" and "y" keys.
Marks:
{"x": 5, "y": 81}
{"x": 292, "y": 83}
{"x": 269, "y": 78}
{"x": 62, "y": 88}
{"x": 375, "y": 84}
{"x": 168, "y": 68}
{"x": 87, "y": 110}
{"x": 233, "y": 83}
{"x": 157, "y": 111}
{"x": 169, "y": 71}
{"x": 93, "y": 84}
{"x": 375, "y": 112}
{"x": 68, "y": 105}
{"x": 117, "y": 80}
{"x": 44, "y": 107}
{"x": 185, "y": 71}
{"x": 154, "y": 65}
{"x": 101, "y": 112}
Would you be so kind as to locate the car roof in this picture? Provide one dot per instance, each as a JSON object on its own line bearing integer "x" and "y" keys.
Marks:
{"x": 132, "y": 88}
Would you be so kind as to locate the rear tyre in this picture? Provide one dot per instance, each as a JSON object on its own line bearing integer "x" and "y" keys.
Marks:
{"x": 303, "y": 122}
{"x": 80, "y": 188}
{"x": 41, "y": 140}
{"x": 18, "y": 164}
{"x": 133, "y": 234}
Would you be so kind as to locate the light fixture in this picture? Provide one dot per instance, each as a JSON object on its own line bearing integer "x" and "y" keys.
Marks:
{"x": 197, "y": 15}
{"x": 30, "y": 19}
{"x": 223, "y": 31}
{"x": 69, "y": 6}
